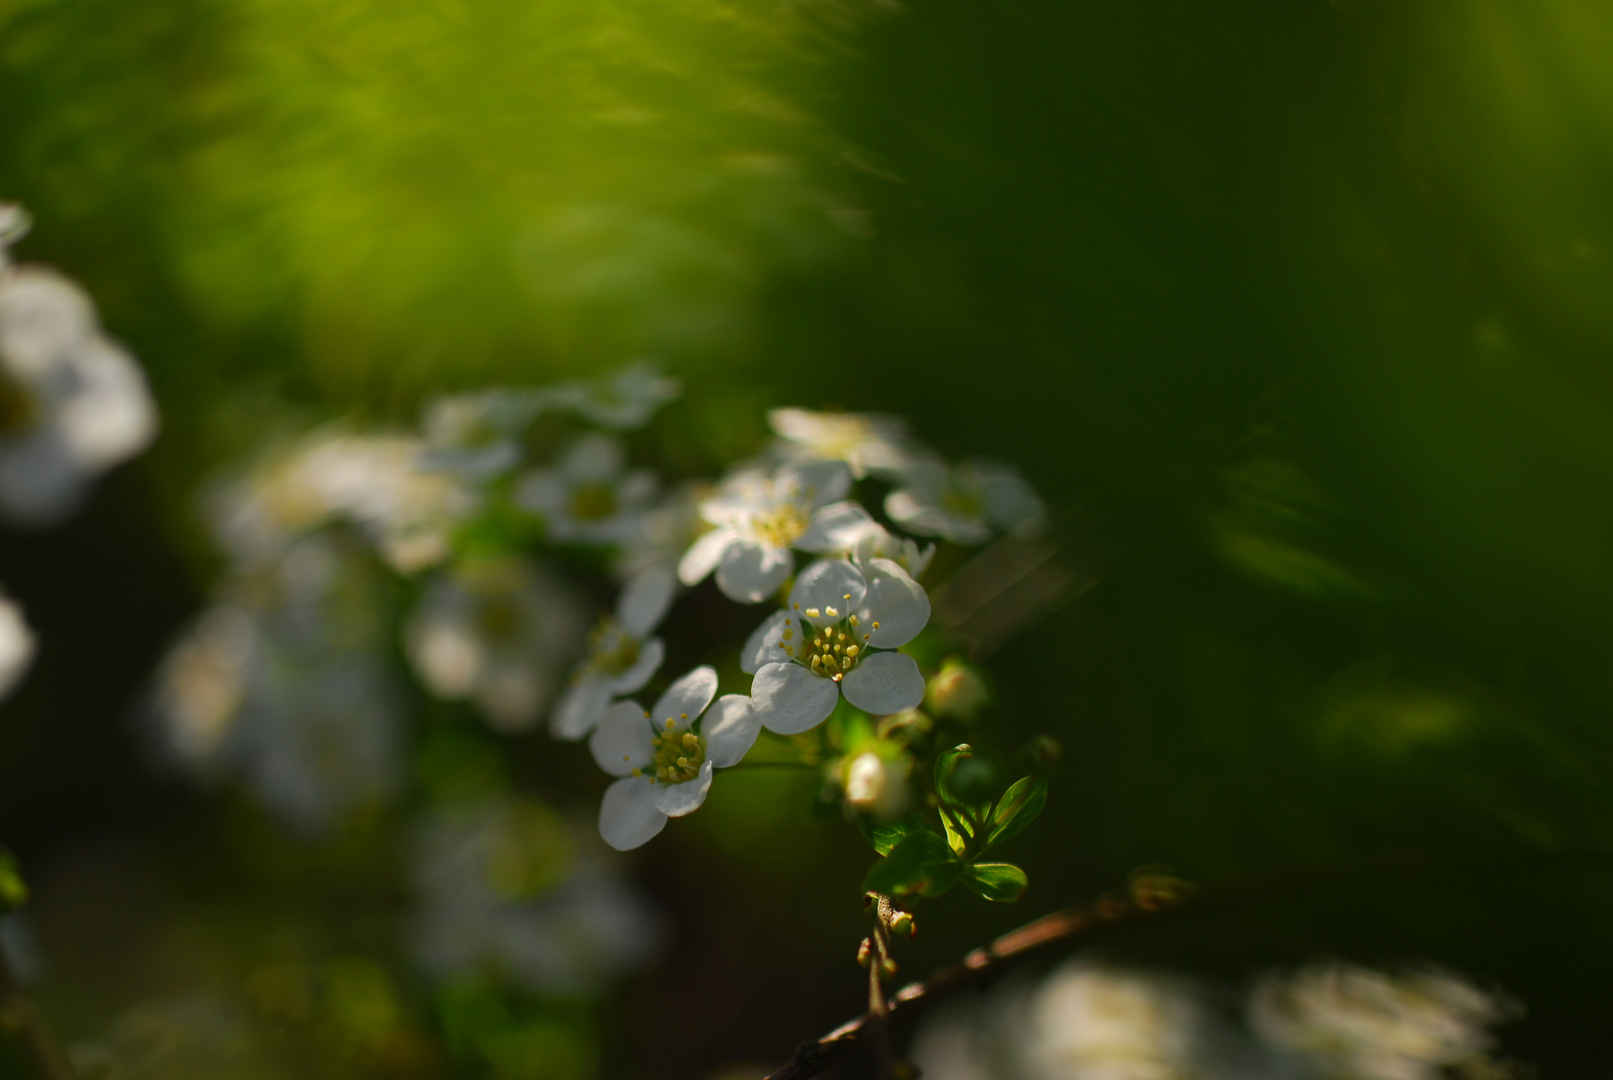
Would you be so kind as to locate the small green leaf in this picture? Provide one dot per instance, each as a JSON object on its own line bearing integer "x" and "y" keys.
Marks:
{"x": 1018, "y": 808}
{"x": 1000, "y": 881}
{"x": 884, "y": 835}
{"x": 957, "y": 827}
{"x": 921, "y": 862}
{"x": 13, "y": 889}
{"x": 945, "y": 764}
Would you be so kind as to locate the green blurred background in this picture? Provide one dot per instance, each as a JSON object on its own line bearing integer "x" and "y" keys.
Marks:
{"x": 1301, "y": 314}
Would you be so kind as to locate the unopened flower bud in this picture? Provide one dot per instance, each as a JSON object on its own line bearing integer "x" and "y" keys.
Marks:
{"x": 1042, "y": 755}
{"x": 865, "y": 780}
{"x": 902, "y": 923}
{"x": 865, "y": 952}
{"x": 958, "y": 691}
{"x": 887, "y": 968}
{"x": 905, "y": 727}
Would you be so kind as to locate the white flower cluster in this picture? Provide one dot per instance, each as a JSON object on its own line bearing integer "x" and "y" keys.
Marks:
{"x": 1092, "y": 1021}
{"x": 73, "y": 404}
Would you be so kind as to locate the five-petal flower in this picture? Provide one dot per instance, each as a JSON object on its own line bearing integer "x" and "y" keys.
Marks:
{"x": 964, "y": 503}
{"x": 866, "y": 442}
{"x": 621, "y": 655}
{"x": 759, "y": 517}
{"x": 589, "y": 496}
{"x": 835, "y": 638}
{"x": 665, "y": 764}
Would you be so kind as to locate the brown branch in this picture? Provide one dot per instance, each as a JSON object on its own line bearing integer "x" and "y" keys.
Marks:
{"x": 1152, "y": 897}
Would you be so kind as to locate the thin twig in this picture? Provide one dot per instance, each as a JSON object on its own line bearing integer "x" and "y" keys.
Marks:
{"x": 19, "y": 1014}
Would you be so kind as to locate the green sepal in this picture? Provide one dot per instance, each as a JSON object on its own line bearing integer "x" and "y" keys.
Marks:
{"x": 1018, "y": 807}
{"x": 999, "y": 881}
{"x": 921, "y": 862}
{"x": 885, "y": 835}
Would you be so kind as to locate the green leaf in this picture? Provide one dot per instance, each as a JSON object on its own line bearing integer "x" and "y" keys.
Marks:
{"x": 13, "y": 889}
{"x": 1000, "y": 881}
{"x": 957, "y": 827}
{"x": 945, "y": 764}
{"x": 884, "y": 835}
{"x": 921, "y": 862}
{"x": 1018, "y": 807}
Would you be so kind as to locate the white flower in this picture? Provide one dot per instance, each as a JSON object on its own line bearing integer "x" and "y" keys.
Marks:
{"x": 874, "y": 541}
{"x": 760, "y": 517}
{"x": 497, "y": 633}
{"x": 283, "y": 684}
{"x": 833, "y": 639}
{"x": 866, "y": 442}
{"x": 621, "y": 402}
{"x": 17, "y": 645}
{"x": 512, "y": 888}
{"x": 665, "y": 765}
{"x": 72, "y": 402}
{"x": 372, "y": 481}
{"x": 621, "y": 655}
{"x": 478, "y": 434}
{"x": 1368, "y": 1025}
{"x": 589, "y": 496}
{"x": 965, "y": 504}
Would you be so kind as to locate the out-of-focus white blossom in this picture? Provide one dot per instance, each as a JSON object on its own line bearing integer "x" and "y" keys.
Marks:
{"x": 73, "y": 403}
{"x": 510, "y": 888}
{"x": 498, "y": 633}
{"x": 866, "y": 442}
{"x": 17, "y": 645}
{"x": 589, "y": 496}
{"x": 283, "y": 685}
{"x": 966, "y": 503}
{"x": 664, "y": 532}
{"x": 622, "y": 402}
{"x": 760, "y": 517}
{"x": 621, "y": 655}
{"x": 478, "y": 434}
{"x": 373, "y": 482}
{"x": 874, "y": 541}
{"x": 874, "y": 783}
{"x": 666, "y": 765}
{"x": 835, "y": 637}
{"x": 1085, "y": 1021}
{"x": 1354, "y": 1023}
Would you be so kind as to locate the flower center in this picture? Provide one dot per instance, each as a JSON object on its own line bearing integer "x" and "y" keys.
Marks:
{"x": 678, "y": 755}
{"x": 963, "y": 500}
{"x": 832, "y": 650}
{"x": 781, "y": 526}
{"x": 593, "y": 502}
{"x": 611, "y": 649}
{"x": 839, "y": 436}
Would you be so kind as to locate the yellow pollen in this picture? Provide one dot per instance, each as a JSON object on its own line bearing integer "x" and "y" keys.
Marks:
{"x": 813, "y": 613}
{"x": 670, "y": 723}
{"x": 788, "y": 634}
{"x": 851, "y": 650}
{"x": 837, "y": 678}
{"x": 832, "y": 612}
{"x": 682, "y": 716}
{"x": 847, "y": 596}
{"x": 852, "y": 620}
{"x": 876, "y": 624}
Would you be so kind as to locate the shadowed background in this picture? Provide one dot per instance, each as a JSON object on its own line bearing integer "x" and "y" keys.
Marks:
{"x": 1298, "y": 315}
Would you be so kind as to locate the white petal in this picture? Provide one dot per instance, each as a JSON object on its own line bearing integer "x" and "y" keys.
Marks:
{"x": 897, "y": 603}
{"x": 826, "y": 584}
{"x": 687, "y": 698}
{"x": 762, "y": 645}
{"x": 919, "y": 512}
{"x": 884, "y": 683}
{"x": 110, "y": 416}
{"x": 821, "y": 481}
{"x": 650, "y": 655}
{"x": 593, "y": 458}
{"x": 835, "y": 527}
{"x": 644, "y": 601}
{"x": 789, "y": 699}
{"x": 627, "y": 815}
{"x": 580, "y": 709}
{"x": 730, "y": 730}
{"x": 750, "y": 573}
{"x": 704, "y": 555}
{"x": 676, "y": 800}
{"x": 17, "y": 647}
{"x": 622, "y": 741}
